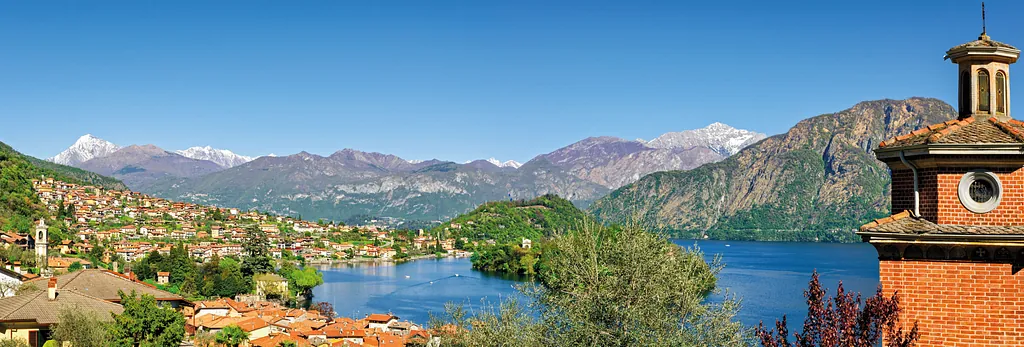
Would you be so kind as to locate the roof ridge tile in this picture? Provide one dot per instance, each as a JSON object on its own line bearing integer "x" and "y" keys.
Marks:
{"x": 1010, "y": 130}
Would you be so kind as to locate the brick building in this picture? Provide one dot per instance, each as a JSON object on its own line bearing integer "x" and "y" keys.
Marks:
{"x": 954, "y": 248}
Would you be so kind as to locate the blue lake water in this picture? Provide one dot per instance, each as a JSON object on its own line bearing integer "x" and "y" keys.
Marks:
{"x": 769, "y": 278}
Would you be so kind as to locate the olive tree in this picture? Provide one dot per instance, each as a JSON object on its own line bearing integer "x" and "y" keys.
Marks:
{"x": 80, "y": 328}
{"x": 608, "y": 286}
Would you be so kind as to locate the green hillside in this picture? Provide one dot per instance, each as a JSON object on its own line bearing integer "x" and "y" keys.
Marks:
{"x": 19, "y": 205}
{"x": 511, "y": 221}
{"x": 79, "y": 175}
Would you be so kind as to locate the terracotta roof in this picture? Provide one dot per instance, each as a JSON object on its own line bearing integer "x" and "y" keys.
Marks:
{"x": 276, "y": 339}
{"x": 966, "y": 131}
{"x": 982, "y": 41}
{"x": 380, "y": 317}
{"x": 904, "y": 223}
{"x": 104, "y": 284}
{"x": 37, "y": 307}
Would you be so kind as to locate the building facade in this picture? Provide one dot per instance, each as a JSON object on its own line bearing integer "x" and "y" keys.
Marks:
{"x": 954, "y": 247}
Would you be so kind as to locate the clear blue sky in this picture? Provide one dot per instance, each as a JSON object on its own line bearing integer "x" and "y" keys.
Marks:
{"x": 459, "y": 80}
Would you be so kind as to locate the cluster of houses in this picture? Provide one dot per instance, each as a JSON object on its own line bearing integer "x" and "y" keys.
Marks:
{"x": 133, "y": 224}
{"x": 128, "y": 225}
{"x": 31, "y": 314}
{"x": 269, "y": 324}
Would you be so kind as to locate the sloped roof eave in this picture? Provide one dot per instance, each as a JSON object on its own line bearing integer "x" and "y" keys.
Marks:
{"x": 878, "y": 236}
{"x": 951, "y": 148}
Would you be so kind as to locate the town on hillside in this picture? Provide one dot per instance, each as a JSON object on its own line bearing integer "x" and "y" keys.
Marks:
{"x": 196, "y": 259}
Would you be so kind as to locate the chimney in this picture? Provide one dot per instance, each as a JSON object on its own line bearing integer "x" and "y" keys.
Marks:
{"x": 51, "y": 289}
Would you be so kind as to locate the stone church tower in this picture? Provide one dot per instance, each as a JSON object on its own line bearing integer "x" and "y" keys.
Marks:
{"x": 955, "y": 246}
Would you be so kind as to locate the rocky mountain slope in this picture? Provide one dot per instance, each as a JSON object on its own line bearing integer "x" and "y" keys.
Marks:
{"x": 85, "y": 148}
{"x": 719, "y": 137}
{"x": 613, "y": 162}
{"x": 222, "y": 157}
{"x": 817, "y": 181}
{"x": 139, "y": 166}
{"x": 349, "y": 183}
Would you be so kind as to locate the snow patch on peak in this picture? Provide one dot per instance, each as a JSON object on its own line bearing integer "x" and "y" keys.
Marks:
{"x": 86, "y": 147}
{"x": 222, "y": 157}
{"x": 508, "y": 163}
{"x": 720, "y": 137}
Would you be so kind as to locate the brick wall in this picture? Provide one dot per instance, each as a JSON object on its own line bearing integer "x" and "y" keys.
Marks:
{"x": 958, "y": 304}
{"x": 941, "y": 204}
{"x": 903, "y": 192}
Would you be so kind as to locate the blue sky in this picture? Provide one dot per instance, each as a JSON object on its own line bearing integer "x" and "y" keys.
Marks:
{"x": 459, "y": 80}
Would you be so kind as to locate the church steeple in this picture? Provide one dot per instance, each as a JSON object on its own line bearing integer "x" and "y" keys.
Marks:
{"x": 41, "y": 242}
{"x": 984, "y": 87}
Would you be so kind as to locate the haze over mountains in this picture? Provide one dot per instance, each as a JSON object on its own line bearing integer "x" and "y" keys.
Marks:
{"x": 351, "y": 182}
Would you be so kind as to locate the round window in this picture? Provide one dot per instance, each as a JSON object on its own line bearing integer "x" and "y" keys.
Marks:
{"x": 980, "y": 191}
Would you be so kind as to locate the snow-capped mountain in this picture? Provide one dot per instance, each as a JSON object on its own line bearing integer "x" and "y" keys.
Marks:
{"x": 87, "y": 147}
{"x": 722, "y": 138}
{"x": 222, "y": 157}
{"x": 508, "y": 163}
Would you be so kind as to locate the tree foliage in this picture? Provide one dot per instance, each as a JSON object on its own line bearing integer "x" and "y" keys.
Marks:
{"x": 146, "y": 324}
{"x": 610, "y": 287}
{"x": 257, "y": 258}
{"x": 843, "y": 321}
{"x": 511, "y": 221}
{"x": 80, "y": 328}
{"x": 231, "y": 336}
{"x": 507, "y": 258}
{"x": 325, "y": 308}
{"x": 15, "y": 342}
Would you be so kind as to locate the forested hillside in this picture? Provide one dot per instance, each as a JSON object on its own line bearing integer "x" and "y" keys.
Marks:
{"x": 511, "y": 221}
{"x": 19, "y": 205}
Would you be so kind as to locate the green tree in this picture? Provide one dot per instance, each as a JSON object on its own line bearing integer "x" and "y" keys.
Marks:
{"x": 179, "y": 264}
{"x": 257, "y": 253}
{"x": 80, "y": 328}
{"x": 75, "y": 266}
{"x": 287, "y": 344}
{"x": 231, "y": 336}
{"x": 305, "y": 280}
{"x": 96, "y": 254}
{"x": 144, "y": 323}
{"x": 231, "y": 281}
{"x": 149, "y": 265}
{"x": 605, "y": 286}
{"x": 15, "y": 342}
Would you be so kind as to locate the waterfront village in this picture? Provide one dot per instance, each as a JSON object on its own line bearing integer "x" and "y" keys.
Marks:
{"x": 102, "y": 233}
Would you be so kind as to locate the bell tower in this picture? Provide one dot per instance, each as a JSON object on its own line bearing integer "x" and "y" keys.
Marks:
{"x": 954, "y": 247}
{"x": 41, "y": 242}
{"x": 984, "y": 75}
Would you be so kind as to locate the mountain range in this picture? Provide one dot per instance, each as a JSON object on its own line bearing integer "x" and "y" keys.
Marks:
{"x": 817, "y": 181}
{"x": 351, "y": 182}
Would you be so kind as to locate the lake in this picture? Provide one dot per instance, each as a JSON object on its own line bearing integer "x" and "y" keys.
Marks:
{"x": 769, "y": 277}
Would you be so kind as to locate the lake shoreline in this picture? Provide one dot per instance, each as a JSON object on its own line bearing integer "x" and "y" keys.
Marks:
{"x": 379, "y": 261}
